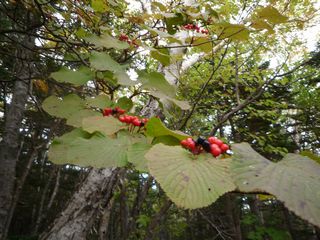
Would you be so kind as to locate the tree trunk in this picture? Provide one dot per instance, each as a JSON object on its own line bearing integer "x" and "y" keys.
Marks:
{"x": 78, "y": 217}
{"x": 10, "y": 144}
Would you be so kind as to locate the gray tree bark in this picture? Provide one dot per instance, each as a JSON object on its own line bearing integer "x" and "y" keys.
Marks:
{"x": 10, "y": 144}
{"x": 80, "y": 214}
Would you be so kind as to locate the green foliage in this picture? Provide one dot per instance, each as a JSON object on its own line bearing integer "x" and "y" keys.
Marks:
{"x": 95, "y": 150}
{"x": 136, "y": 156}
{"x": 155, "y": 128}
{"x": 190, "y": 181}
{"x": 295, "y": 180}
{"x": 76, "y": 77}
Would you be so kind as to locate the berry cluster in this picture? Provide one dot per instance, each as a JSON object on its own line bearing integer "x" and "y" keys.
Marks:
{"x": 113, "y": 111}
{"x": 195, "y": 27}
{"x": 125, "y": 38}
{"x": 213, "y": 145}
{"x": 118, "y": 113}
{"x": 134, "y": 120}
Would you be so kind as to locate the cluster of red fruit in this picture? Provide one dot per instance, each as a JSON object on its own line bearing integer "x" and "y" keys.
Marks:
{"x": 213, "y": 145}
{"x": 118, "y": 112}
{"x": 195, "y": 27}
{"x": 125, "y": 38}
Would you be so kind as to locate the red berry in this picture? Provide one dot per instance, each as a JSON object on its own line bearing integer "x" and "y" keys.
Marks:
{"x": 120, "y": 110}
{"x": 136, "y": 122}
{"x": 107, "y": 111}
{"x": 224, "y": 148}
{"x": 215, "y": 150}
{"x": 122, "y": 119}
{"x": 123, "y": 37}
{"x": 130, "y": 119}
{"x": 219, "y": 142}
{"x": 184, "y": 142}
{"x": 212, "y": 140}
{"x": 127, "y": 119}
{"x": 144, "y": 120}
{"x": 191, "y": 144}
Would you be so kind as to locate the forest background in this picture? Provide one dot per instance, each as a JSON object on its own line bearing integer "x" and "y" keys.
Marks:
{"x": 237, "y": 70}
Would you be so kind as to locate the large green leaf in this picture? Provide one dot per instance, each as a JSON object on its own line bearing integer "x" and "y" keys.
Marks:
{"x": 106, "y": 125}
{"x": 102, "y": 61}
{"x": 295, "y": 180}
{"x": 190, "y": 181}
{"x": 76, "y": 118}
{"x": 233, "y": 31}
{"x": 71, "y": 107}
{"x": 162, "y": 55}
{"x": 136, "y": 154}
{"x": 63, "y": 108}
{"x": 106, "y": 41}
{"x": 155, "y": 128}
{"x": 97, "y": 151}
{"x": 125, "y": 103}
{"x": 100, "y": 101}
{"x": 156, "y": 81}
{"x": 164, "y": 98}
{"x": 76, "y": 77}
{"x": 272, "y": 15}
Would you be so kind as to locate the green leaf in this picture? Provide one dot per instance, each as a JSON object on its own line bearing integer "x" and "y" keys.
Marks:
{"x": 310, "y": 155}
{"x": 162, "y": 55}
{"x": 203, "y": 44}
{"x": 105, "y": 125}
{"x": 234, "y": 31}
{"x": 63, "y": 108}
{"x": 99, "y": 5}
{"x": 295, "y": 180}
{"x": 106, "y": 41}
{"x": 272, "y": 15}
{"x": 71, "y": 107}
{"x": 97, "y": 151}
{"x": 102, "y": 61}
{"x": 100, "y": 101}
{"x": 155, "y": 128}
{"x": 76, "y": 77}
{"x": 184, "y": 105}
{"x": 76, "y": 118}
{"x": 190, "y": 181}
{"x": 261, "y": 24}
{"x": 156, "y": 81}
{"x": 158, "y": 5}
{"x": 166, "y": 140}
{"x": 136, "y": 154}
{"x": 124, "y": 103}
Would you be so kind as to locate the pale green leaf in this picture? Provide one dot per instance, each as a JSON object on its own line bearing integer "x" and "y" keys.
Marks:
{"x": 100, "y": 101}
{"x": 136, "y": 154}
{"x": 190, "y": 181}
{"x": 162, "y": 55}
{"x": 272, "y": 15}
{"x": 124, "y": 103}
{"x": 99, "y": 5}
{"x": 76, "y": 118}
{"x": 295, "y": 180}
{"x": 76, "y": 77}
{"x": 106, "y": 41}
{"x": 98, "y": 151}
{"x": 63, "y": 108}
{"x": 102, "y": 61}
{"x": 156, "y": 128}
{"x": 234, "y": 31}
{"x": 105, "y": 125}
{"x": 156, "y": 81}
